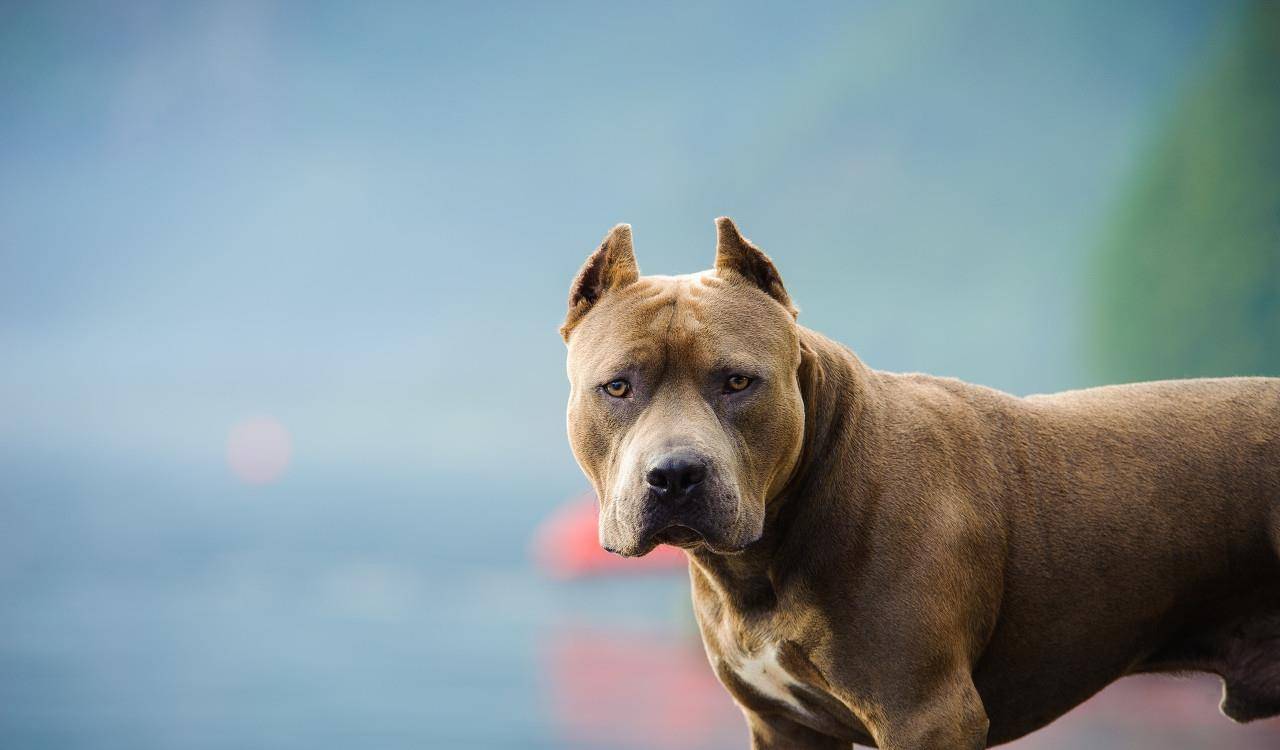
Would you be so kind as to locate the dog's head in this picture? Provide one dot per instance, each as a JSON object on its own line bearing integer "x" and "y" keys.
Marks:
{"x": 684, "y": 406}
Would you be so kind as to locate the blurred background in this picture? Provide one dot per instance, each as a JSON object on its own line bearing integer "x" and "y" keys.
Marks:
{"x": 282, "y": 455}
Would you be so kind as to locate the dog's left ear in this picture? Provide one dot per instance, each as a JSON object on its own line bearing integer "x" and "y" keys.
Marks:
{"x": 611, "y": 266}
{"x": 735, "y": 253}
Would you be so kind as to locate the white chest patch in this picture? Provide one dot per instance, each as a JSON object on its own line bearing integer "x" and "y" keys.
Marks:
{"x": 766, "y": 676}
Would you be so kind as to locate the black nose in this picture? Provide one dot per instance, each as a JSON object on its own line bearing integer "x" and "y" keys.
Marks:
{"x": 676, "y": 475}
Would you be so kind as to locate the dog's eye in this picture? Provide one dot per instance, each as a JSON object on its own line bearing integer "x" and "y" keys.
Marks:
{"x": 736, "y": 383}
{"x": 617, "y": 388}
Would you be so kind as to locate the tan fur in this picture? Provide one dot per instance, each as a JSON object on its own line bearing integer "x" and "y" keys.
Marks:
{"x": 919, "y": 562}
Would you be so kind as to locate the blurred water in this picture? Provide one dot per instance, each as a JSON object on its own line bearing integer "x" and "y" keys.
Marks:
{"x": 152, "y": 611}
{"x": 145, "y": 610}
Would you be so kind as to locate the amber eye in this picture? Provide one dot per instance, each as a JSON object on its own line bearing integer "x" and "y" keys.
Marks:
{"x": 737, "y": 383}
{"x": 617, "y": 388}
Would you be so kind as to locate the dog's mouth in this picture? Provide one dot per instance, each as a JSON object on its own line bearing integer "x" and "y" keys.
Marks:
{"x": 679, "y": 535}
{"x": 710, "y": 526}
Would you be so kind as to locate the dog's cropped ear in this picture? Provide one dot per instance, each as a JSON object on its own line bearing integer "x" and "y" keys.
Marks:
{"x": 612, "y": 266}
{"x": 735, "y": 253}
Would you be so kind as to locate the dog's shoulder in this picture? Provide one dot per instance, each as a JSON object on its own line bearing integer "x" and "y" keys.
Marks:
{"x": 921, "y": 404}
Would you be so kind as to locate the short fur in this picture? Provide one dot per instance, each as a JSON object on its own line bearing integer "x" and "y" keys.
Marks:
{"x": 929, "y": 564}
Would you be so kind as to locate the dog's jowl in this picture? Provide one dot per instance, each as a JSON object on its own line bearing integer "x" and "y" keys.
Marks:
{"x": 912, "y": 561}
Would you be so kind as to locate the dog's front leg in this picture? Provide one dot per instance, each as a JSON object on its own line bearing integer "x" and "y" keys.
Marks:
{"x": 774, "y": 732}
{"x": 950, "y": 717}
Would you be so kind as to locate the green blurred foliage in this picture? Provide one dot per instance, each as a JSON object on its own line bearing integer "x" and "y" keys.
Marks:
{"x": 1187, "y": 281}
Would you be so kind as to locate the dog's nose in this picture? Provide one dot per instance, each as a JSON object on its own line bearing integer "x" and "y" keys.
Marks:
{"x": 676, "y": 474}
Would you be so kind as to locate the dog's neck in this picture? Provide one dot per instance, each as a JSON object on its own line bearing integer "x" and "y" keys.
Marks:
{"x": 834, "y": 385}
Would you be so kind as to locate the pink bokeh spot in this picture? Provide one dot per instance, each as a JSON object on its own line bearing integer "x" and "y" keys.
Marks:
{"x": 259, "y": 449}
{"x": 566, "y": 545}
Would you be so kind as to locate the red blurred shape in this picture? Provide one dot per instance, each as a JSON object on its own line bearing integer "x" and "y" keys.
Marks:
{"x": 567, "y": 545}
{"x": 637, "y": 690}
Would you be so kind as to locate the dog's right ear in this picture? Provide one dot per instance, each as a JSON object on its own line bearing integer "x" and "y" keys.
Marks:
{"x": 612, "y": 266}
{"x": 736, "y": 254}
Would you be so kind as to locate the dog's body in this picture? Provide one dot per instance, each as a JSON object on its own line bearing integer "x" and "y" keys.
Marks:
{"x": 912, "y": 561}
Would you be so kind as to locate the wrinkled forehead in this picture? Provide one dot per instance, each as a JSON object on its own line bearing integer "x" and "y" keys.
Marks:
{"x": 699, "y": 321}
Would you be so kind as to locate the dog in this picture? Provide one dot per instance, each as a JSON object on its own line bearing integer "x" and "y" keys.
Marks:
{"x": 912, "y": 561}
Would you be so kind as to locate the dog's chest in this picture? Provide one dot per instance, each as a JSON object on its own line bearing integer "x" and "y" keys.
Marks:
{"x": 759, "y": 666}
{"x": 768, "y": 666}
{"x": 762, "y": 671}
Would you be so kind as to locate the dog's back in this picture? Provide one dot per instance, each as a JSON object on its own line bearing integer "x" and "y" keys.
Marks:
{"x": 1141, "y": 532}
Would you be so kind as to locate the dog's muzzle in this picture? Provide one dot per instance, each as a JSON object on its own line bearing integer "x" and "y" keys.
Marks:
{"x": 677, "y": 512}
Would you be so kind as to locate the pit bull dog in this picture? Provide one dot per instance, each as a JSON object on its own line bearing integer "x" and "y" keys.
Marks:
{"x": 912, "y": 561}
